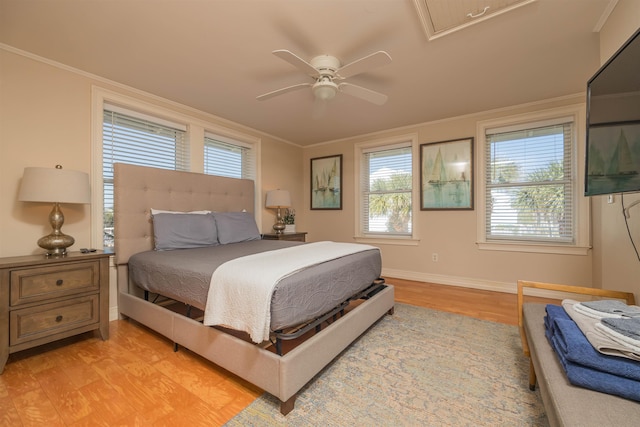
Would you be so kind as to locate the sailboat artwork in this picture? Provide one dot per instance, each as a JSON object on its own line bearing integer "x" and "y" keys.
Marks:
{"x": 446, "y": 175}
{"x": 326, "y": 173}
{"x": 612, "y": 163}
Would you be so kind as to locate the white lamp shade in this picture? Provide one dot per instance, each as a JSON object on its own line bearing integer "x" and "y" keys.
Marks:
{"x": 54, "y": 185}
{"x": 278, "y": 199}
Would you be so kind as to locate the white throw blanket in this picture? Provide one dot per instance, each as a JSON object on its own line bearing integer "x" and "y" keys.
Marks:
{"x": 240, "y": 290}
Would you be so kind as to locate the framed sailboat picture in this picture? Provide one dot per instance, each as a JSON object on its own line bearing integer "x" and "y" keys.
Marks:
{"x": 613, "y": 158}
{"x": 446, "y": 175}
{"x": 326, "y": 182}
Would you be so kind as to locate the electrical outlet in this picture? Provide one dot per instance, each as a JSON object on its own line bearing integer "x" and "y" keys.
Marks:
{"x": 434, "y": 257}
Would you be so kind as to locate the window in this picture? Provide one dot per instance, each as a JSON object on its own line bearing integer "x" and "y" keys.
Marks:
{"x": 225, "y": 157}
{"x": 530, "y": 184}
{"x": 132, "y": 138}
{"x": 386, "y": 190}
{"x": 133, "y": 130}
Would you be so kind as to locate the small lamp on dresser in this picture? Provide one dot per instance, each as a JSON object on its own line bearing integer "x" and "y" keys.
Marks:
{"x": 55, "y": 185}
{"x": 278, "y": 199}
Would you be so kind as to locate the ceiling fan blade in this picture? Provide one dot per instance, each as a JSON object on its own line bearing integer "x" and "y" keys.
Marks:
{"x": 281, "y": 91}
{"x": 361, "y": 65}
{"x": 363, "y": 93}
{"x": 297, "y": 62}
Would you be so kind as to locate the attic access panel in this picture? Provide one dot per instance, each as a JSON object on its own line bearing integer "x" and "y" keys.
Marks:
{"x": 442, "y": 17}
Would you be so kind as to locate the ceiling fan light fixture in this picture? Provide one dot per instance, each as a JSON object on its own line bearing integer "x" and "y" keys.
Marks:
{"x": 325, "y": 70}
{"x": 325, "y": 90}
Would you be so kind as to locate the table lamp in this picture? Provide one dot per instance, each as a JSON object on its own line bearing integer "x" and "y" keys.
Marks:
{"x": 277, "y": 199}
{"x": 55, "y": 185}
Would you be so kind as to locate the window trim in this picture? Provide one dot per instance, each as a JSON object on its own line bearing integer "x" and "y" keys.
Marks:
{"x": 581, "y": 246}
{"x": 359, "y": 150}
{"x": 196, "y": 129}
{"x": 235, "y": 141}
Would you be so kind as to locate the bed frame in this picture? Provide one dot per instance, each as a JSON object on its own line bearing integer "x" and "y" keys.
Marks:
{"x": 137, "y": 189}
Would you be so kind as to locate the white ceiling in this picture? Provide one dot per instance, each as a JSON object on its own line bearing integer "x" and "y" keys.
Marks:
{"x": 215, "y": 56}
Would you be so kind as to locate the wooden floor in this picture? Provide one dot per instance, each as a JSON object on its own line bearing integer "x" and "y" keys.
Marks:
{"x": 136, "y": 379}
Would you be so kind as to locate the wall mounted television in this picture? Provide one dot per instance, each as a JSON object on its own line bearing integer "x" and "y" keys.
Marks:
{"x": 613, "y": 124}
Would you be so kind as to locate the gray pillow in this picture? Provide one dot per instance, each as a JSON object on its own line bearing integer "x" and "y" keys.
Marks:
{"x": 234, "y": 227}
{"x": 183, "y": 231}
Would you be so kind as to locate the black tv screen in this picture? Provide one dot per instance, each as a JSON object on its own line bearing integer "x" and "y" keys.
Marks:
{"x": 613, "y": 124}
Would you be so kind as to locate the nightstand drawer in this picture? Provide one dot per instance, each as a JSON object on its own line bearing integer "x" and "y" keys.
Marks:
{"x": 42, "y": 283}
{"x": 31, "y": 323}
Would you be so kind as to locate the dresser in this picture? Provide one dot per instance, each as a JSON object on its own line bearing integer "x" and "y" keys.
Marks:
{"x": 296, "y": 237}
{"x": 46, "y": 299}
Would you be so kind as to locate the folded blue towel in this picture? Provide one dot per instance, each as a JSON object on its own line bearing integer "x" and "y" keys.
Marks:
{"x": 576, "y": 353}
{"x": 577, "y": 349}
{"x": 557, "y": 312}
{"x": 593, "y": 379}
{"x": 553, "y": 312}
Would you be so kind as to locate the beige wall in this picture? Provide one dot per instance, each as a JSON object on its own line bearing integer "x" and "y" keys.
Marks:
{"x": 45, "y": 112}
{"x": 616, "y": 265}
{"x": 611, "y": 264}
{"x": 45, "y": 119}
{"x": 450, "y": 234}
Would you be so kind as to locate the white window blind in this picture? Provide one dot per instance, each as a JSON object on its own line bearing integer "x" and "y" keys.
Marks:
{"x": 530, "y": 183}
{"x": 228, "y": 158}
{"x": 136, "y": 139}
{"x": 386, "y": 186}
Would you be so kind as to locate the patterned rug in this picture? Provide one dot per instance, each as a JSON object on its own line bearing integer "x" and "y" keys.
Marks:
{"x": 419, "y": 367}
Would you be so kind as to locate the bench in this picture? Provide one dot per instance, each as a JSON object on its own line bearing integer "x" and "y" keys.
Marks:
{"x": 565, "y": 404}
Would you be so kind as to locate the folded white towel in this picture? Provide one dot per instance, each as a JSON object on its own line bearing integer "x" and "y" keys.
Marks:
{"x": 628, "y": 343}
{"x": 628, "y": 327}
{"x": 612, "y": 306}
{"x": 594, "y": 314}
{"x": 600, "y": 341}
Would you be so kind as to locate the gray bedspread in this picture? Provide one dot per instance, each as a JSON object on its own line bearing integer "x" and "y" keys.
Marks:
{"x": 185, "y": 275}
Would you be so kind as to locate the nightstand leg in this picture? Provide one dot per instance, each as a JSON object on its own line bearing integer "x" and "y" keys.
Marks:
{"x": 4, "y": 356}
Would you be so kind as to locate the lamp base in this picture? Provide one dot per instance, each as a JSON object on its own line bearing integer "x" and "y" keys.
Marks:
{"x": 56, "y": 244}
{"x": 279, "y": 227}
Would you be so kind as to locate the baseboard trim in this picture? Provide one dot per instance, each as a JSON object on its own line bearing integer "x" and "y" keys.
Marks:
{"x": 467, "y": 282}
{"x": 440, "y": 279}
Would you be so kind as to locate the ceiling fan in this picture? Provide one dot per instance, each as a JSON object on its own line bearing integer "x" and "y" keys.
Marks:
{"x": 327, "y": 73}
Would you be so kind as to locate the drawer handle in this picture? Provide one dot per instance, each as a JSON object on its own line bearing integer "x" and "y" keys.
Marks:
{"x": 59, "y": 318}
{"x": 59, "y": 282}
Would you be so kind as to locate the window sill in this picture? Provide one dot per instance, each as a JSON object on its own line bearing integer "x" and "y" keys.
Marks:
{"x": 534, "y": 248}
{"x": 382, "y": 240}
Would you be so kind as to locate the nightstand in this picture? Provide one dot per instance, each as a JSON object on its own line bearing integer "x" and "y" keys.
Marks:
{"x": 295, "y": 237}
{"x": 46, "y": 299}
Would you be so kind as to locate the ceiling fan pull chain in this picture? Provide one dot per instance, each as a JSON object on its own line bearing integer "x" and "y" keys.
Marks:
{"x": 472, "y": 16}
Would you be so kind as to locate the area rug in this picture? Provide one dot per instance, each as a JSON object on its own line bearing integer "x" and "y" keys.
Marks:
{"x": 419, "y": 367}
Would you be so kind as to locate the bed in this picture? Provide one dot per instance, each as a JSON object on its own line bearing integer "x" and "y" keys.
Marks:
{"x": 139, "y": 189}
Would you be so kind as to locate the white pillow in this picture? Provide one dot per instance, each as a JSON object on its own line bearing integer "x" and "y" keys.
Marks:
{"x": 157, "y": 211}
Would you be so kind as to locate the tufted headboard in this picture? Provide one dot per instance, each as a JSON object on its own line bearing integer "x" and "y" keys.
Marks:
{"x": 137, "y": 189}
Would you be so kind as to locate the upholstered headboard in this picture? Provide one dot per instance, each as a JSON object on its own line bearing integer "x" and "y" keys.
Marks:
{"x": 138, "y": 189}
